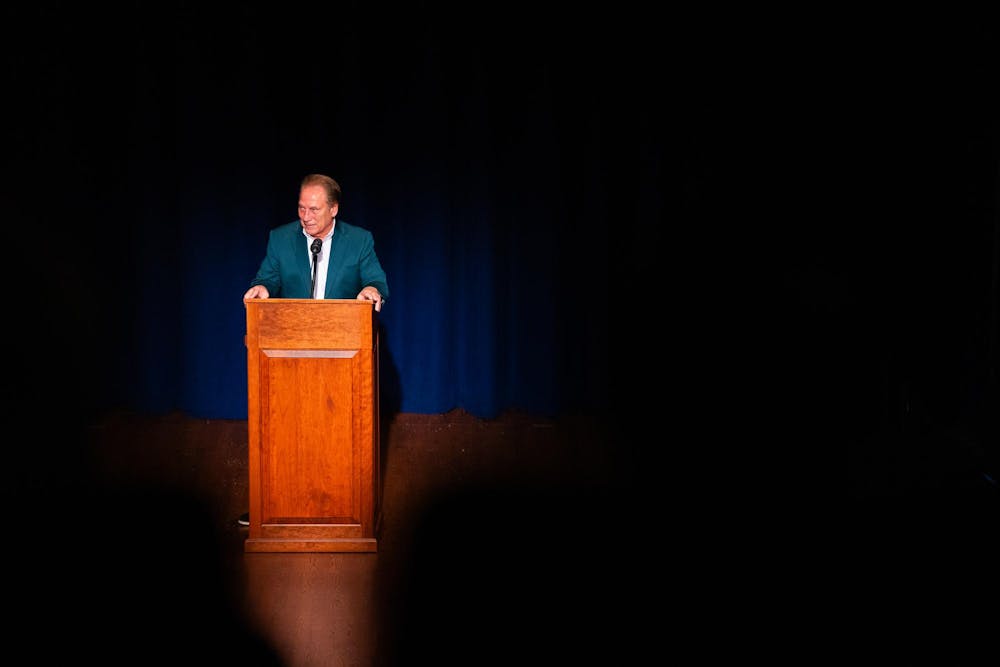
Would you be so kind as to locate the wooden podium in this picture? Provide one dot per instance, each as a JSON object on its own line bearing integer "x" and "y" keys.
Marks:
{"x": 312, "y": 376}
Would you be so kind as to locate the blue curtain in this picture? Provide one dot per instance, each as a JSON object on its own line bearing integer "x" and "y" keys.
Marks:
{"x": 506, "y": 169}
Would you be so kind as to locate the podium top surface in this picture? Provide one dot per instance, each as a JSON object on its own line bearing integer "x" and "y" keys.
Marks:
{"x": 359, "y": 302}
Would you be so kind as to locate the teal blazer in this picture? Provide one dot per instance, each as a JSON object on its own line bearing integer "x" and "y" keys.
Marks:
{"x": 286, "y": 272}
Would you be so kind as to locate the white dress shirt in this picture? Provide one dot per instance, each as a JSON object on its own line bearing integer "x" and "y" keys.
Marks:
{"x": 323, "y": 258}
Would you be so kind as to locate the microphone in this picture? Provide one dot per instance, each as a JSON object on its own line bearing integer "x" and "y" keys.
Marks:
{"x": 317, "y": 244}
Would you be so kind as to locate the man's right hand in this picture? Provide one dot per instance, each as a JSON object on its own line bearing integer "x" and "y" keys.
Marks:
{"x": 257, "y": 292}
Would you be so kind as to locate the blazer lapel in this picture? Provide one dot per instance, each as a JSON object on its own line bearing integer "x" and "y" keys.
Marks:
{"x": 300, "y": 252}
{"x": 337, "y": 249}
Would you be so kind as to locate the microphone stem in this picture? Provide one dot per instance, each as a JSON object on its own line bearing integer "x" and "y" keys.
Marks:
{"x": 315, "y": 263}
{"x": 316, "y": 245}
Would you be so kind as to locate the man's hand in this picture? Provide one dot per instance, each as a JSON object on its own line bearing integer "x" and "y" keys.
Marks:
{"x": 371, "y": 294}
{"x": 257, "y": 292}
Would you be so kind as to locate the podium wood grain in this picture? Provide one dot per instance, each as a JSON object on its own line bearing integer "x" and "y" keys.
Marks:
{"x": 312, "y": 379}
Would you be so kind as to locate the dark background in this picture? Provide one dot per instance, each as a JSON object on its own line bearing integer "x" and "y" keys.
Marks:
{"x": 508, "y": 161}
{"x": 578, "y": 212}
{"x": 907, "y": 293}
{"x": 596, "y": 212}
{"x": 535, "y": 177}
{"x": 680, "y": 224}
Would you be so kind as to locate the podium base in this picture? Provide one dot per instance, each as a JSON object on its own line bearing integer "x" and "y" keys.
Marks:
{"x": 336, "y": 545}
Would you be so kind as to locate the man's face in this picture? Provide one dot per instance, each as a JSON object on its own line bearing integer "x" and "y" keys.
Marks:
{"x": 315, "y": 214}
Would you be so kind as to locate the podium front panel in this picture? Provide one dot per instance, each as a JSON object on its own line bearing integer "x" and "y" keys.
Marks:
{"x": 313, "y": 425}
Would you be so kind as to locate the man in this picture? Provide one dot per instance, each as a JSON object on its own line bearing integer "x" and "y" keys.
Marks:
{"x": 346, "y": 264}
{"x": 319, "y": 257}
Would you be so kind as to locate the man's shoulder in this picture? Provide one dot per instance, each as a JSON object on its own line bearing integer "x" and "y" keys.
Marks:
{"x": 343, "y": 224}
{"x": 288, "y": 228}
{"x": 348, "y": 230}
{"x": 286, "y": 233}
